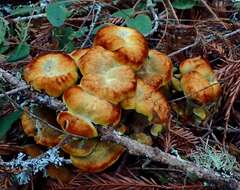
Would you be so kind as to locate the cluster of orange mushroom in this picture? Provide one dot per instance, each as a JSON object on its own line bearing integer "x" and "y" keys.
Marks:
{"x": 118, "y": 72}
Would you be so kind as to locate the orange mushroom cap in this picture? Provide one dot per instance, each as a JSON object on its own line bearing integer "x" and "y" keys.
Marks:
{"x": 199, "y": 88}
{"x": 80, "y": 148}
{"x": 48, "y": 137}
{"x": 51, "y": 72}
{"x": 157, "y": 69}
{"x": 104, "y": 155}
{"x": 149, "y": 102}
{"x": 99, "y": 111}
{"x": 128, "y": 44}
{"x": 76, "y": 124}
{"x": 106, "y": 77}
{"x": 199, "y": 81}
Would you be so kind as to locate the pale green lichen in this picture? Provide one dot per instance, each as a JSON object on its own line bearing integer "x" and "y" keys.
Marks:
{"x": 218, "y": 160}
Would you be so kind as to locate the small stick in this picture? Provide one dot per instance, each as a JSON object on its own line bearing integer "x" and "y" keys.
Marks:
{"x": 14, "y": 91}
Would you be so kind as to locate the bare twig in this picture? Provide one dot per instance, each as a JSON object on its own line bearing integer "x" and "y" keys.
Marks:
{"x": 198, "y": 40}
{"x": 98, "y": 10}
{"x": 18, "y": 19}
{"x": 14, "y": 91}
{"x": 213, "y": 13}
{"x": 155, "y": 20}
{"x": 169, "y": 5}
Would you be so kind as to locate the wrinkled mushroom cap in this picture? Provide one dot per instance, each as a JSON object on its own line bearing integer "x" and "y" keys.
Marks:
{"x": 199, "y": 81}
{"x": 200, "y": 89}
{"x": 80, "y": 148}
{"x": 76, "y": 124}
{"x": 157, "y": 69}
{"x": 199, "y": 65}
{"x": 104, "y": 155}
{"x": 51, "y": 72}
{"x": 149, "y": 102}
{"x": 99, "y": 111}
{"x": 128, "y": 44}
{"x": 105, "y": 77}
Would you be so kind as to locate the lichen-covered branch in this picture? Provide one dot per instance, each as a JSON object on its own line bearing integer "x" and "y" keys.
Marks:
{"x": 21, "y": 84}
{"x": 25, "y": 167}
{"x": 156, "y": 154}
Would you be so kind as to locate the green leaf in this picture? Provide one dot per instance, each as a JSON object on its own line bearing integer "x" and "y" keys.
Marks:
{"x": 184, "y": 4}
{"x": 63, "y": 35}
{"x": 124, "y": 13}
{"x": 25, "y": 10}
{"x": 20, "y": 52}
{"x": 80, "y": 33}
{"x": 56, "y": 14}
{"x": 7, "y": 121}
{"x": 69, "y": 47}
{"x": 4, "y": 47}
{"x": 3, "y": 29}
{"x": 142, "y": 23}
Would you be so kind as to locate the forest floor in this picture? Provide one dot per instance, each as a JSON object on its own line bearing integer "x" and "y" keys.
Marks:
{"x": 197, "y": 150}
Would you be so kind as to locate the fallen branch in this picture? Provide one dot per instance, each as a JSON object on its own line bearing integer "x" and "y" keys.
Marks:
{"x": 155, "y": 154}
{"x": 14, "y": 91}
{"x": 39, "y": 98}
{"x": 23, "y": 169}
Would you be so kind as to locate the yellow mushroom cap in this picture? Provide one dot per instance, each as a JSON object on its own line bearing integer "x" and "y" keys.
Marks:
{"x": 104, "y": 155}
{"x": 51, "y": 72}
{"x": 199, "y": 88}
{"x": 80, "y": 147}
{"x": 128, "y": 44}
{"x": 199, "y": 65}
{"x": 106, "y": 77}
{"x": 190, "y": 64}
{"x": 99, "y": 111}
{"x": 76, "y": 124}
{"x": 157, "y": 69}
{"x": 149, "y": 102}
